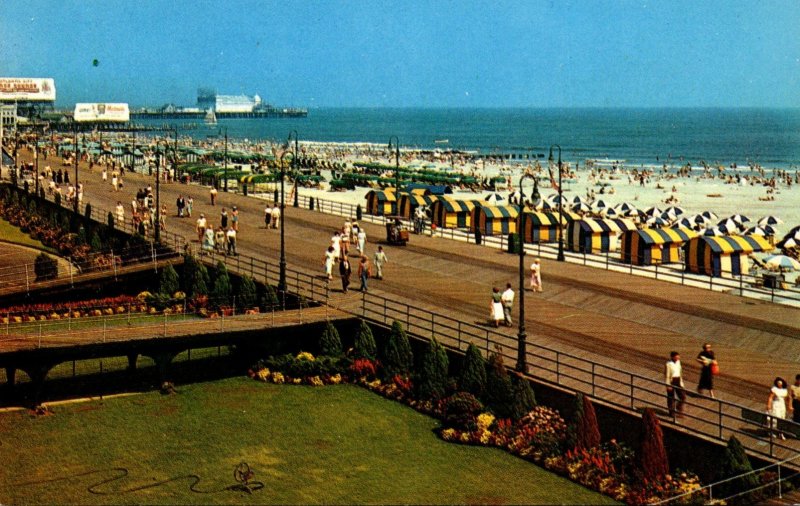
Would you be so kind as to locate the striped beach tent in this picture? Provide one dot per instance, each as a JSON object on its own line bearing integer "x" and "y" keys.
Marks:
{"x": 452, "y": 213}
{"x": 716, "y": 256}
{"x": 494, "y": 220}
{"x": 381, "y": 202}
{"x": 409, "y": 202}
{"x": 654, "y": 245}
{"x": 592, "y": 235}
{"x": 540, "y": 227}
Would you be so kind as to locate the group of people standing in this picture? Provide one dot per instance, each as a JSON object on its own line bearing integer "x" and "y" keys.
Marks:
{"x": 338, "y": 251}
{"x": 223, "y": 238}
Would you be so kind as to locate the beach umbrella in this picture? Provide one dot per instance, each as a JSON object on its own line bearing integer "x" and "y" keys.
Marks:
{"x": 714, "y": 231}
{"x": 710, "y": 215}
{"x": 600, "y": 204}
{"x": 770, "y": 220}
{"x": 782, "y": 262}
{"x": 657, "y": 221}
{"x": 577, "y": 199}
{"x": 611, "y": 212}
{"x": 686, "y": 221}
{"x": 581, "y": 207}
{"x": 756, "y": 231}
{"x": 653, "y": 211}
{"x": 738, "y": 218}
{"x": 789, "y": 243}
{"x": 626, "y": 209}
{"x": 555, "y": 198}
{"x": 493, "y": 198}
{"x": 729, "y": 223}
{"x": 673, "y": 211}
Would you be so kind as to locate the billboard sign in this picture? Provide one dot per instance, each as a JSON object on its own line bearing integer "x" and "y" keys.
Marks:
{"x": 20, "y": 89}
{"x": 102, "y": 112}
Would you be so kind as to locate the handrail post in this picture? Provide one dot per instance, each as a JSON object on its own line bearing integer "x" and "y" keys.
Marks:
{"x": 631, "y": 377}
{"x": 719, "y": 405}
{"x": 593, "y": 379}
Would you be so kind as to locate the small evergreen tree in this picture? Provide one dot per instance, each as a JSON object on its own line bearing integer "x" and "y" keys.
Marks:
{"x": 329, "y": 343}
{"x": 95, "y": 243}
{"x": 110, "y": 221}
{"x": 499, "y": 393}
{"x": 396, "y": 353}
{"x": 221, "y": 293}
{"x": 364, "y": 345}
{"x": 734, "y": 463}
{"x": 524, "y": 398}
{"x": 246, "y": 294}
{"x": 195, "y": 277}
{"x": 168, "y": 282}
{"x": 585, "y": 432}
{"x": 81, "y": 238}
{"x": 269, "y": 297}
{"x": 473, "y": 372}
{"x": 432, "y": 379}
{"x": 653, "y": 456}
{"x": 45, "y": 267}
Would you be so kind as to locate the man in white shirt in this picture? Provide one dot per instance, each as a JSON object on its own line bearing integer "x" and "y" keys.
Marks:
{"x": 231, "y": 238}
{"x": 674, "y": 381}
{"x": 276, "y": 216}
{"x": 201, "y": 227}
{"x": 507, "y": 299}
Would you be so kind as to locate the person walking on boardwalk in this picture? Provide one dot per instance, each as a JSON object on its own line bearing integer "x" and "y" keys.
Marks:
{"x": 496, "y": 307}
{"x": 180, "y": 203}
{"x": 344, "y": 272}
{"x": 213, "y": 194}
{"x": 276, "y": 216}
{"x": 507, "y": 298}
{"x": 707, "y": 359}
{"x": 363, "y": 272}
{"x": 219, "y": 240}
{"x": 120, "y": 214}
{"x": 674, "y": 381}
{"x": 223, "y": 218}
{"x": 379, "y": 260}
{"x": 330, "y": 258}
{"x": 235, "y": 218}
{"x": 362, "y": 241}
{"x": 201, "y": 226}
{"x": 536, "y": 276}
{"x": 267, "y": 216}
{"x": 189, "y": 205}
{"x": 776, "y": 403}
{"x": 794, "y": 394}
{"x": 230, "y": 236}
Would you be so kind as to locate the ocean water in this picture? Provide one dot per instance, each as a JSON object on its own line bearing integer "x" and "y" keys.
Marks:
{"x": 769, "y": 137}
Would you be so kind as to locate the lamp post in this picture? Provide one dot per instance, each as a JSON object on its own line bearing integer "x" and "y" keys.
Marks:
{"x": 296, "y": 202}
{"x": 77, "y": 154}
{"x": 225, "y": 161}
{"x": 396, "y": 170}
{"x": 157, "y": 224}
{"x": 522, "y": 336}
{"x": 560, "y": 257}
{"x": 36, "y": 161}
{"x": 282, "y": 263}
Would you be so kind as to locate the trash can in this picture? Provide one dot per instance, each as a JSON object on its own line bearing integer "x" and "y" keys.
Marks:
{"x": 514, "y": 243}
{"x": 773, "y": 280}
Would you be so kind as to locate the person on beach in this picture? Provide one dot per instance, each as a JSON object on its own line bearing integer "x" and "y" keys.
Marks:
{"x": 336, "y": 244}
{"x": 794, "y": 394}
{"x": 379, "y": 260}
{"x": 276, "y": 216}
{"x": 363, "y": 272}
{"x": 207, "y": 241}
{"x": 507, "y": 298}
{"x": 344, "y": 243}
{"x": 674, "y": 381}
{"x": 536, "y": 276}
{"x": 105, "y": 175}
{"x": 180, "y": 204}
{"x": 213, "y": 194}
{"x": 200, "y": 226}
{"x": 223, "y": 218}
{"x": 230, "y": 237}
{"x": 328, "y": 261}
{"x": 776, "y": 403}
{"x": 189, "y": 205}
{"x": 267, "y": 216}
{"x": 496, "y": 306}
{"x": 707, "y": 360}
{"x": 120, "y": 214}
{"x": 362, "y": 241}
{"x": 344, "y": 272}
{"x": 219, "y": 240}
{"x": 235, "y": 218}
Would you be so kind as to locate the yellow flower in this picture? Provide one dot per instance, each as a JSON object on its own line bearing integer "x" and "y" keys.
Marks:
{"x": 448, "y": 434}
{"x": 277, "y": 378}
{"x": 316, "y": 381}
{"x": 297, "y": 381}
{"x": 336, "y": 379}
{"x": 263, "y": 374}
{"x": 304, "y": 355}
{"x": 485, "y": 420}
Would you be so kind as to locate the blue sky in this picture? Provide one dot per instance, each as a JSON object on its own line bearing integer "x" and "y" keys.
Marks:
{"x": 438, "y": 53}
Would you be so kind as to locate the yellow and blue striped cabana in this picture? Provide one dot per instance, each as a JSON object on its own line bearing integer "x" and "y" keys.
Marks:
{"x": 493, "y": 220}
{"x": 381, "y": 202}
{"x": 409, "y": 202}
{"x": 654, "y": 245}
{"x": 593, "y": 235}
{"x": 727, "y": 254}
{"x": 540, "y": 227}
{"x": 451, "y": 213}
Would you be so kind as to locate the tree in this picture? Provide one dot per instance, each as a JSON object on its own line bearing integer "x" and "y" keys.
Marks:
{"x": 524, "y": 398}
{"x": 201, "y": 281}
{"x": 586, "y": 429}
{"x": 194, "y": 278}
{"x": 364, "y": 345}
{"x": 652, "y": 456}
{"x": 168, "y": 282}
{"x": 330, "y": 343}
{"x": 95, "y": 243}
{"x": 221, "y": 293}
{"x": 397, "y": 355}
{"x": 45, "y": 267}
{"x": 432, "y": 379}
{"x": 734, "y": 463}
{"x": 246, "y": 294}
{"x": 499, "y": 393}
{"x": 268, "y": 297}
{"x": 473, "y": 372}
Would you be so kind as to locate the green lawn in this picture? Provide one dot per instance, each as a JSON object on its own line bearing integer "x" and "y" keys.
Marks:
{"x": 12, "y": 234}
{"x": 331, "y": 445}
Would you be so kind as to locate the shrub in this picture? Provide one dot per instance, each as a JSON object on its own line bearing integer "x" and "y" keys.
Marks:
{"x": 397, "y": 356}
{"x": 364, "y": 345}
{"x": 433, "y": 373}
{"x": 499, "y": 393}
{"x": 168, "y": 282}
{"x": 363, "y": 368}
{"x": 95, "y": 242}
{"x": 473, "y": 372}
{"x": 110, "y": 221}
{"x": 45, "y": 267}
{"x": 246, "y": 294}
{"x": 653, "y": 456}
{"x": 735, "y": 462}
{"x": 524, "y": 398}
{"x": 268, "y": 297}
{"x": 195, "y": 277}
{"x": 301, "y": 367}
{"x": 221, "y": 293}
{"x": 88, "y": 211}
{"x": 539, "y": 434}
{"x": 460, "y": 410}
{"x": 329, "y": 343}
{"x": 81, "y": 237}
{"x": 585, "y": 431}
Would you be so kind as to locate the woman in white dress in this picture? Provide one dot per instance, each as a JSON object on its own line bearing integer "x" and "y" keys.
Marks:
{"x": 536, "y": 276}
{"x": 776, "y": 403}
{"x": 330, "y": 256}
{"x": 497, "y": 307}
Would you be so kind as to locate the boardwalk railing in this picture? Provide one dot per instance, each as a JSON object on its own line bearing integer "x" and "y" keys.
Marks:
{"x": 742, "y": 285}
